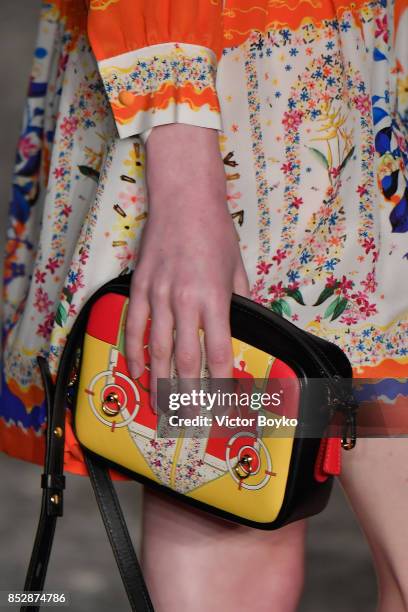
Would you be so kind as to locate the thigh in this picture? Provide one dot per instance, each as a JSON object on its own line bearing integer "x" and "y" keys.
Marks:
{"x": 194, "y": 561}
{"x": 375, "y": 480}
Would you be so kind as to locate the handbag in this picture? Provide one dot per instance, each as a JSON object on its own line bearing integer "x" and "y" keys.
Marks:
{"x": 249, "y": 475}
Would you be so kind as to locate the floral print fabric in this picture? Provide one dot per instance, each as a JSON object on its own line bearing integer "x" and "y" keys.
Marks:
{"x": 312, "y": 113}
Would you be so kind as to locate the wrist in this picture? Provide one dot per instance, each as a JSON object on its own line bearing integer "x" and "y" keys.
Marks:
{"x": 184, "y": 167}
{"x": 180, "y": 137}
{"x": 172, "y": 200}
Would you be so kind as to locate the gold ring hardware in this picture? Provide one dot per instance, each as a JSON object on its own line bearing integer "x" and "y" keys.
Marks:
{"x": 245, "y": 465}
{"x": 348, "y": 444}
{"x": 111, "y": 404}
{"x": 55, "y": 498}
{"x": 58, "y": 432}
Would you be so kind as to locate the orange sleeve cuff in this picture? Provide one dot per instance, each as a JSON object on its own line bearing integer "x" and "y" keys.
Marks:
{"x": 167, "y": 83}
{"x": 158, "y": 60}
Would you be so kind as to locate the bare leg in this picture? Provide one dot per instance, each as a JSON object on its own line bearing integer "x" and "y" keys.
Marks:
{"x": 375, "y": 479}
{"x": 195, "y": 562}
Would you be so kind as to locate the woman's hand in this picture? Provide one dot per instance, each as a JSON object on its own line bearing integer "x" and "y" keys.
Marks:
{"x": 189, "y": 260}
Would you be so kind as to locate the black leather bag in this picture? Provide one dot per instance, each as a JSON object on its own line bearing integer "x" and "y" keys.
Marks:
{"x": 309, "y": 357}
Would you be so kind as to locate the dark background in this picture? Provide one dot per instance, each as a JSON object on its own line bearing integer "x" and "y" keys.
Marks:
{"x": 339, "y": 574}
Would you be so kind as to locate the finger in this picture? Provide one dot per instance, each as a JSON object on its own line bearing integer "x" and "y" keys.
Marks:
{"x": 187, "y": 345}
{"x": 241, "y": 283}
{"x": 136, "y": 319}
{"x": 160, "y": 346}
{"x": 218, "y": 344}
{"x": 188, "y": 351}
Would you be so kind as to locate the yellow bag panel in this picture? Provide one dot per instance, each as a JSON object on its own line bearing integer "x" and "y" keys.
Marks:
{"x": 183, "y": 464}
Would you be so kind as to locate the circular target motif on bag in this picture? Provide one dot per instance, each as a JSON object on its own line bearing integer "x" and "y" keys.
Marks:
{"x": 114, "y": 399}
{"x": 250, "y": 460}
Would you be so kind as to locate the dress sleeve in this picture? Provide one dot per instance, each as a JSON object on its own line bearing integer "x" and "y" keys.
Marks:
{"x": 158, "y": 61}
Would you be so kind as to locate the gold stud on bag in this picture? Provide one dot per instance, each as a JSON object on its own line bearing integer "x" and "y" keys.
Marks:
{"x": 249, "y": 472}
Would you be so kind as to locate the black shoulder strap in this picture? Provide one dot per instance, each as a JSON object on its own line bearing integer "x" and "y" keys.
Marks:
{"x": 53, "y": 484}
{"x": 118, "y": 535}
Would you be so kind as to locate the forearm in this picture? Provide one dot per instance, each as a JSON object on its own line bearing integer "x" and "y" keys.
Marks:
{"x": 184, "y": 168}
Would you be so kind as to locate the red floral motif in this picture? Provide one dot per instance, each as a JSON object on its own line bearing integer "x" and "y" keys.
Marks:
{"x": 45, "y": 328}
{"x": 69, "y": 126}
{"x": 72, "y": 310}
{"x": 349, "y": 319}
{"x": 39, "y": 276}
{"x": 257, "y": 292}
{"x": 360, "y": 298}
{"x": 335, "y": 171}
{"x": 345, "y": 285}
{"x": 368, "y": 244}
{"x": 287, "y": 168}
{"x": 331, "y": 281}
{"x": 263, "y": 268}
{"x": 280, "y": 255}
{"x": 363, "y": 103}
{"x": 370, "y": 283}
{"x": 292, "y": 119}
{"x": 277, "y": 291}
{"x": 83, "y": 256}
{"x": 382, "y": 28}
{"x": 53, "y": 264}
{"x": 28, "y": 146}
{"x": 297, "y": 202}
{"x": 42, "y": 302}
{"x": 59, "y": 172}
{"x": 361, "y": 190}
{"x": 293, "y": 286}
{"x": 368, "y": 309}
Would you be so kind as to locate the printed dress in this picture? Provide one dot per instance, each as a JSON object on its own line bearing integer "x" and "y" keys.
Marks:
{"x": 310, "y": 99}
